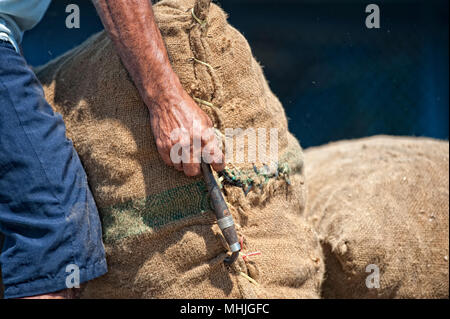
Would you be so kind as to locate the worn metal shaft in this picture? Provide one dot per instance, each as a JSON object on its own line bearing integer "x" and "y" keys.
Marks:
{"x": 223, "y": 215}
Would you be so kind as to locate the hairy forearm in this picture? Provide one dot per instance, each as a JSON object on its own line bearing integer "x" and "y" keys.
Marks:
{"x": 132, "y": 28}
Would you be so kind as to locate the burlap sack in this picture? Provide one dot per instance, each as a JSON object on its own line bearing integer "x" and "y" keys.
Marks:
{"x": 160, "y": 236}
{"x": 382, "y": 201}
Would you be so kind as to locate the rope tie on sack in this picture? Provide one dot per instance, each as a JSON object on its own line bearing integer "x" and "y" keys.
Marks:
{"x": 256, "y": 253}
{"x": 199, "y": 21}
{"x": 201, "y": 62}
{"x": 196, "y": 99}
{"x": 200, "y": 11}
{"x": 200, "y": 15}
{"x": 244, "y": 256}
{"x": 213, "y": 107}
{"x": 253, "y": 281}
{"x": 250, "y": 180}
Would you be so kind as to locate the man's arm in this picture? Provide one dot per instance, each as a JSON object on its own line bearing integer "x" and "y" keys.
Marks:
{"x": 132, "y": 28}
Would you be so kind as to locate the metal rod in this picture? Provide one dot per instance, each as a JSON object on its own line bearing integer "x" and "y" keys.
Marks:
{"x": 223, "y": 215}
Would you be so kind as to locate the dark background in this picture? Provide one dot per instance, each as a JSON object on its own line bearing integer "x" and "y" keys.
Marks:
{"x": 336, "y": 78}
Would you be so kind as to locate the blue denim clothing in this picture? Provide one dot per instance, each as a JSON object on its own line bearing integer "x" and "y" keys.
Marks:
{"x": 47, "y": 213}
{"x": 18, "y": 16}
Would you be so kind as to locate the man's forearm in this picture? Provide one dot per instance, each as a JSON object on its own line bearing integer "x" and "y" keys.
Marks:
{"x": 131, "y": 26}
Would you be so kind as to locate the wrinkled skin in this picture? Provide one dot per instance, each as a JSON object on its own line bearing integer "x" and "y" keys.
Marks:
{"x": 138, "y": 41}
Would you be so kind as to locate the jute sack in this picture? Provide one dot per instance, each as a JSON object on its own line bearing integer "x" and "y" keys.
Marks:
{"x": 160, "y": 235}
{"x": 382, "y": 203}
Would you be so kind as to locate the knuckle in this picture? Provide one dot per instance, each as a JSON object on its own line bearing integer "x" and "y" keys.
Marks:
{"x": 192, "y": 170}
{"x": 208, "y": 121}
{"x": 159, "y": 144}
{"x": 163, "y": 146}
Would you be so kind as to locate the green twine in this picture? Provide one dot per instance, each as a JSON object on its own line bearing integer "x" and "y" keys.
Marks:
{"x": 247, "y": 182}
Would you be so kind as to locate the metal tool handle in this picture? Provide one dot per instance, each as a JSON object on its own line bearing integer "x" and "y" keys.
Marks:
{"x": 223, "y": 215}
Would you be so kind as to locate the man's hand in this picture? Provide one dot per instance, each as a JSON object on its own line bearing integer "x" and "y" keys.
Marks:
{"x": 179, "y": 121}
{"x": 132, "y": 28}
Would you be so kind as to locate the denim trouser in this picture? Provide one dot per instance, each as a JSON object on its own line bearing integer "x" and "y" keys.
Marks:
{"x": 47, "y": 213}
